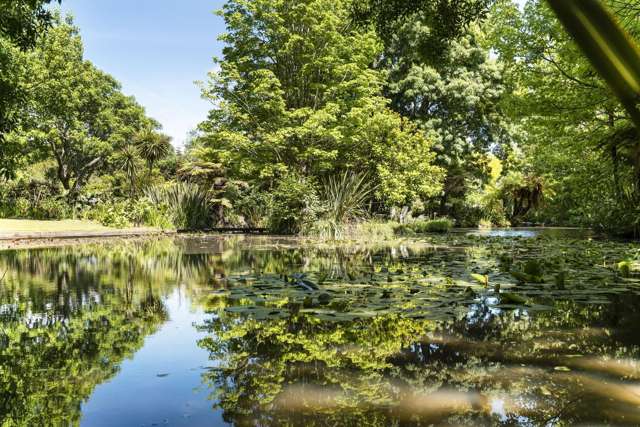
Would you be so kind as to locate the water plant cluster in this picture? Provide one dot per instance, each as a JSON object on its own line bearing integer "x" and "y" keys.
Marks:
{"x": 451, "y": 275}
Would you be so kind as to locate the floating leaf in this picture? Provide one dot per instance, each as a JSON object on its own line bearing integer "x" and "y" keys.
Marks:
{"x": 483, "y": 279}
{"x": 511, "y": 298}
{"x": 324, "y": 299}
{"x": 521, "y": 277}
{"x": 533, "y": 268}
{"x": 560, "y": 279}
{"x": 624, "y": 267}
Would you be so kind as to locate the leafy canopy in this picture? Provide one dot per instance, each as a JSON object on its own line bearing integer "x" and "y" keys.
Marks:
{"x": 295, "y": 92}
{"x": 21, "y": 22}
{"x": 78, "y": 114}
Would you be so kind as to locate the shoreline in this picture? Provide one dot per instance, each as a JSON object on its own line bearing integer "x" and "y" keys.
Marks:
{"x": 10, "y": 241}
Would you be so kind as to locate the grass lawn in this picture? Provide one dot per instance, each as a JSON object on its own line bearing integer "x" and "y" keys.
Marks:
{"x": 9, "y": 226}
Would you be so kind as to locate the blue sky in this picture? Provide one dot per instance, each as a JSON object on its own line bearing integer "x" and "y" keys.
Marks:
{"x": 156, "y": 49}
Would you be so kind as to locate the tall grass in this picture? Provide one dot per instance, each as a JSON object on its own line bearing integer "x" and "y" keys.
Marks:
{"x": 190, "y": 205}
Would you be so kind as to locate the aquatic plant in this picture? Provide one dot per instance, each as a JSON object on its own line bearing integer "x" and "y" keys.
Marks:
{"x": 624, "y": 267}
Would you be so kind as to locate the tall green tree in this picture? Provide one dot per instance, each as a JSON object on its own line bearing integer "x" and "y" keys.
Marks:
{"x": 153, "y": 146}
{"x": 574, "y": 128}
{"x": 78, "y": 114}
{"x": 11, "y": 97}
{"x": 452, "y": 96}
{"x": 128, "y": 159}
{"x": 447, "y": 19}
{"x": 296, "y": 93}
{"x": 21, "y": 23}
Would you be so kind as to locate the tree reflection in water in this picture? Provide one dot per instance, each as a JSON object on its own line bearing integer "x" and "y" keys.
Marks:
{"x": 70, "y": 316}
{"x": 68, "y": 319}
{"x": 577, "y": 363}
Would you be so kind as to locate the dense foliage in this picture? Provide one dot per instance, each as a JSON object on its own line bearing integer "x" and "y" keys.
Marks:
{"x": 574, "y": 130}
{"x": 296, "y": 94}
{"x": 75, "y": 143}
{"x": 20, "y": 25}
{"x": 482, "y": 112}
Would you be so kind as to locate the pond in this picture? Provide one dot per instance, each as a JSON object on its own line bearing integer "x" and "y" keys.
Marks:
{"x": 205, "y": 331}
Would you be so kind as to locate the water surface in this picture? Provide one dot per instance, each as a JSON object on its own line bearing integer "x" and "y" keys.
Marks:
{"x": 210, "y": 331}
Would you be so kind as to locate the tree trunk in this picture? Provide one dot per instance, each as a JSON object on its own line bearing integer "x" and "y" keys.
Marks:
{"x": 616, "y": 171}
{"x": 63, "y": 175}
{"x": 83, "y": 177}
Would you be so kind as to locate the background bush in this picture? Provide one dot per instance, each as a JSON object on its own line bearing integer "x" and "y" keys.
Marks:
{"x": 438, "y": 225}
{"x": 126, "y": 213}
{"x": 293, "y": 205}
{"x": 32, "y": 199}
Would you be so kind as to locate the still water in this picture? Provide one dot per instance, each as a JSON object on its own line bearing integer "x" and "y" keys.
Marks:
{"x": 208, "y": 331}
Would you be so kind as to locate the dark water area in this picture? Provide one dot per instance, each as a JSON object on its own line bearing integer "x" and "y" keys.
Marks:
{"x": 207, "y": 331}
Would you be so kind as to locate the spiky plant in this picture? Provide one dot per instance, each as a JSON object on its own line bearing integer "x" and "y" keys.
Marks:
{"x": 128, "y": 160}
{"x": 345, "y": 197}
{"x": 190, "y": 205}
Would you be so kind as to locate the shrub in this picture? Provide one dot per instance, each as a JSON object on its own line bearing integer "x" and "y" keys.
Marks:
{"x": 374, "y": 230}
{"x": 126, "y": 213}
{"x": 252, "y": 206}
{"x": 52, "y": 208}
{"x": 32, "y": 199}
{"x": 344, "y": 199}
{"x": 145, "y": 212}
{"x": 111, "y": 214}
{"x": 369, "y": 230}
{"x": 293, "y": 205}
{"x": 438, "y": 225}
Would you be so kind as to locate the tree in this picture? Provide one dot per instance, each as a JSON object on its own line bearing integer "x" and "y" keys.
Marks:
{"x": 153, "y": 146}
{"x": 21, "y": 23}
{"x": 127, "y": 160}
{"x": 11, "y": 96}
{"x": 452, "y": 97}
{"x": 448, "y": 19}
{"x": 78, "y": 115}
{"x": 574, "y": 129}
{"x": 296, "y": 93}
